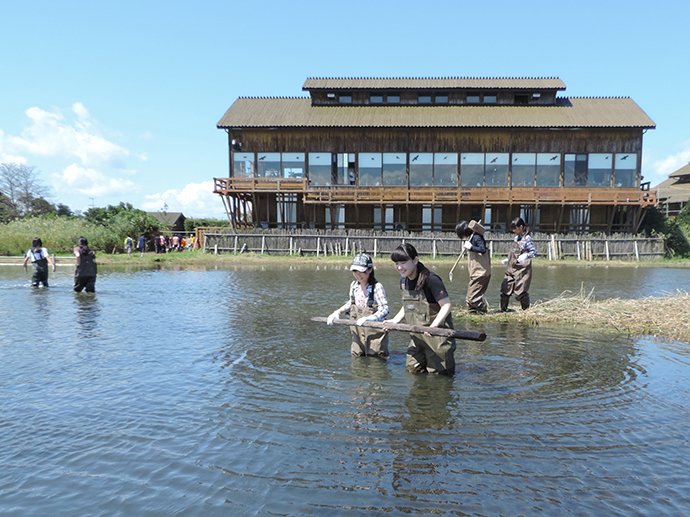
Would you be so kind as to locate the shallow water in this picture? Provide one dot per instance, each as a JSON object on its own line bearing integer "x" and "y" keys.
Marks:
{"x": 182, "y": 392}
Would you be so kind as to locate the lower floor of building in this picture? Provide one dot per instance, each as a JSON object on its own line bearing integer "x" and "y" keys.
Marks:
{"x": 274, "y": 210}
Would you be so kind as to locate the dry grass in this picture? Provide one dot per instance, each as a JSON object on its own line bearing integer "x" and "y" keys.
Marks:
{"x": 658, "y": 316}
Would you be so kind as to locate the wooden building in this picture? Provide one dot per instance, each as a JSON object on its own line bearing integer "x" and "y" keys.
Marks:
{"x": 422, "y": 153}
{"x": 674, "y": 193}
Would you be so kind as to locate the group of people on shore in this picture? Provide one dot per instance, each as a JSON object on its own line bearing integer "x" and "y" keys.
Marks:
{"x": 425, "y": 301}
{"x": 161, "y": 244}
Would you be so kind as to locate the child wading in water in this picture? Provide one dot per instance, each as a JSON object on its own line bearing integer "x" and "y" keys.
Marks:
{"x": 518, "y": 275}
{"x": 478, "y": 264}
{"x": 367, "y": 303}
{"x": 425, "y": 302}
{"x": 39, "y": 256}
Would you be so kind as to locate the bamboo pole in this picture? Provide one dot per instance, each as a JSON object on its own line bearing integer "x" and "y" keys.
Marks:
{"x": 416, "y": 329}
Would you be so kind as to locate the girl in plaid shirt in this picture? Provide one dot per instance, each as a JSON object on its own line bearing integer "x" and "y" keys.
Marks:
{"x": 367, "y": 303}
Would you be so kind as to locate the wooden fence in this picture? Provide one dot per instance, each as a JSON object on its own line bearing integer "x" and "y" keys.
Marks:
{"x": 438, "y": 244}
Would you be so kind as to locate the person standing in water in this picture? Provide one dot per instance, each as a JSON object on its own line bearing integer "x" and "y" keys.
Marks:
{"x": 85, "y": 272}
{"x": 518, "y": 275}
{"x": 39, "y": 257}
{"x": 367, "y": 302}
{"x": 426, "y": 303}
{"x": 478, "y": 264}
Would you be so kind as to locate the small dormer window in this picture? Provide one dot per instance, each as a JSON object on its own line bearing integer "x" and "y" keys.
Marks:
{"x": 424, "y": 98}
{"x": 489, "y": 99}
{"x": 521, "y": 99}
{"x": 473, "y": 98}
{"x": 441, "y": 98}
{"x": 345, "y": 99}
{"x": 376, "y": 99}
{"x": 393, "y": 98}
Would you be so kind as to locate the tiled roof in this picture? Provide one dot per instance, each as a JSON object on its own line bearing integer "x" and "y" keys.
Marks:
{"x": 432, "y": 83}
{"x": 618, "y": 112}
{"x": 683, "y": 171}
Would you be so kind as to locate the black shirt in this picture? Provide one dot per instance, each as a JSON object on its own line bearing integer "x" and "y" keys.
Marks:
{"x": 434, "y": 290}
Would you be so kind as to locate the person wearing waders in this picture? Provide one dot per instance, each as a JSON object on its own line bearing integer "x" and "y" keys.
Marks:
{"x": 39, "y": 257}
{"x": 518, "y": 275}
{"x": 367, "y": 303}
{"x": 85, "y": 272}
{"x": 478, "y": 264}
{"x": 425, "y": 302}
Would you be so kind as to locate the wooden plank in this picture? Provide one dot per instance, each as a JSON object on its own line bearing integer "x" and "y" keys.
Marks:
{"x": 434, "y": 331}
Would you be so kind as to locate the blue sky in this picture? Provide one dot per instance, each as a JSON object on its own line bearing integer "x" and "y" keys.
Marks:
{"x": 118, "y": 101}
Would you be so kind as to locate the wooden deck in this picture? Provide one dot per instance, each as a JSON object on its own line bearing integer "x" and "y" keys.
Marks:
{"x": 436, "y": 195}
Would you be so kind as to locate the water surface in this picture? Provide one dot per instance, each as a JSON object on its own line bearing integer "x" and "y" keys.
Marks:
{"x": 187, "y": 392}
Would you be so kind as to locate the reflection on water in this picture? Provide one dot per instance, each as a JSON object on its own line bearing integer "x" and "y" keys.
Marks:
{"x": 184, "y": 392}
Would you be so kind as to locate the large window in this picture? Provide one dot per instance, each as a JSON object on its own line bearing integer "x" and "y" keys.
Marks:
{"x": 293, "y": 165}
{"x": 496, "y": 170}
{"x": 548, "y": 170}
{"x": 524, "y": 168}
{"x": 445, "y": 169}
{"x": 369, "y": 169}
{"x": 472, "y": 169}
{"x": 268, "y": 165}
{"x": 243, "y": 165}
{"x": 320, "y": 169}
{"x": 599, "y": 170}
{"x": 394, "y": 169}
{"x": 421, "y": 169}
{"x": 575, "y": 170}
{"x": 626, "y": 170}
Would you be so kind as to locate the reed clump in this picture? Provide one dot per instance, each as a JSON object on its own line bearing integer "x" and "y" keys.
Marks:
{"x": 658, "y": 316}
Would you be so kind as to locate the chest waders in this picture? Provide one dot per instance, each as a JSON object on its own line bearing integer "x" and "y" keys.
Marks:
{"x": 479, "y": 265}
{"x": 432, "y": 354}
{"x": 517, "y": 279}
{"x": 367, "y": 341}
{"x": 40, "y": 269}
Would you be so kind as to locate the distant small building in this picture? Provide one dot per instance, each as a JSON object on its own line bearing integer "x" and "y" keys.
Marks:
{"x": 674, "y": 193}
{"x": 171, "y": 221}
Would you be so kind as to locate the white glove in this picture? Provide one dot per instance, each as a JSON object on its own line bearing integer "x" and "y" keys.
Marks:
{"x": 333, "y": 317}
{"x": 504, "y": 261}
{"x": 361, "y": 320}
{"x": 522, "y": 258}
{"x": 467, "y": 245}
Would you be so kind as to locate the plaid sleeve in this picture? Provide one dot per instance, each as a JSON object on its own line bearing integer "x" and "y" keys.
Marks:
{"x": 528, "y": 247}
{"x": 381, "y": 301}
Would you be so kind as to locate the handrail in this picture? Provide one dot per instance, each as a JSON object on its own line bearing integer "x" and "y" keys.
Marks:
{"x": 437, "y": 195}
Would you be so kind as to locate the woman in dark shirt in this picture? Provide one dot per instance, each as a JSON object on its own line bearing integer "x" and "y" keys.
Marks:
{"x": 425, "y": 303}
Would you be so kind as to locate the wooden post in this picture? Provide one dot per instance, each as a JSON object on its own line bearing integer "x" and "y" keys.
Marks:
{"x": 318, "y": 245}
{"x": 347, "y": 246}
{"x": 637, "y": 252}
{"x": 376, "y": 243}
{"x": 577, "y": 247}
{"x": 235, "y": 250}
{"x": 215, "y": 249}
{"x": 290, "y": 246}
{"x": 606, "y": 247}
{"x": 263, "y": 244}
{"x": 433, "y": 243}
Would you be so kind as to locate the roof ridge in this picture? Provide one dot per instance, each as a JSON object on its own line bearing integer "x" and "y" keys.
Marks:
{"x": 440, "y": 77}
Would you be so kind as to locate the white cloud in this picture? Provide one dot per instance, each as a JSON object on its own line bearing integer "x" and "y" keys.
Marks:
{"x": 91, "y": 182}
{"x": 51, "y": 135}
{"x": 194, "y": 200}
{"x": 674, "y": 162}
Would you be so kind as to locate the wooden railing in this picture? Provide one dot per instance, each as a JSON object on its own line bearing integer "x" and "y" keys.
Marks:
{"x": 438, "y": 195}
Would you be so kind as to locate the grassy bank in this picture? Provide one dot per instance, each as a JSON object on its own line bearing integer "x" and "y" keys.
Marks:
{"x": 657, "y": 316}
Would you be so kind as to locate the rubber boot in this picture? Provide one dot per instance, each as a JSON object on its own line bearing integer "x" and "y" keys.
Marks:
{"x": 524, "y": 302}
{"x": 504, "y": 302}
